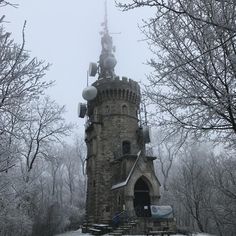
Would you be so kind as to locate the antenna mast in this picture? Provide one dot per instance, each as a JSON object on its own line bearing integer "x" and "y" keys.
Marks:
{"x": 107, "y": 61}
{"x": 106, "y": 19}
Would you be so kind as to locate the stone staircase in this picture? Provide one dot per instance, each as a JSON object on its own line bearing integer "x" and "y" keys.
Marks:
{"x": 124, "y": 229}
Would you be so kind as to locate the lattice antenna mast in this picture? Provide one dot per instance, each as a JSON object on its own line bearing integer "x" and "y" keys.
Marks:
{"x": 106, "y": 20}
{"x": 107, "y": 61}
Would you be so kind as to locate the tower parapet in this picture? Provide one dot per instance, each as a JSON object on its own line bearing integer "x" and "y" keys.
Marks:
{"x": 121, "y": 82}
{"x": 120, "y": 89}
{"x": 118, "y": 97}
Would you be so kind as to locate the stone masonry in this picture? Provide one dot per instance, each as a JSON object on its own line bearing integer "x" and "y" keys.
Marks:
{"x": 113, "y": 120}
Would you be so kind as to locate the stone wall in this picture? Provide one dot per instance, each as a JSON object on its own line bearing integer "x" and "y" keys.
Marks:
{"x": 113, "y": 120}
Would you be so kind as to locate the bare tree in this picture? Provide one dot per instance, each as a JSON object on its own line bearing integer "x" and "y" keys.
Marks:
{"x": 20, "y": 76}
{"x": 20, "y": 82}
{"x": 224, "y": 174}
{"x": 33, "y": 198}
{"x": 190, "y": 187}
{"x": 74, "y": 178}
{"x": 202, "y": 191}
{"x": 194, "y": 77}
{"x": 45, "y": 124}
{"x": 166, "y": 148}
{"x": 62, "y": 190}
{"x": 4, "y": 3}
{"x": 223, "y": 179}
{"x": 186, "y": 9}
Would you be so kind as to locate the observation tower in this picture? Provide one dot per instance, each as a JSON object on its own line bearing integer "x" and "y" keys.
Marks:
{"x": 120, "y": 175}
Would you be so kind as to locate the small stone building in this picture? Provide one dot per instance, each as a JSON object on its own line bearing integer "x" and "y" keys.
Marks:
{"x": 120, "y": 176}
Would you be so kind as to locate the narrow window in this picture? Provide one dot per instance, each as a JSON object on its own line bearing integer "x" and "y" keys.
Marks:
{"x": 107, "y": 109}
{"x": 126, "y": 147}
{"x": 119, "y": 200}
{"x": 124, "y": 109}
{"x": 107, "y": 209}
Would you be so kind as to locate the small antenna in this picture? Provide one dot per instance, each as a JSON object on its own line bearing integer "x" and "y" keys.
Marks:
{"x": 107, "y": 60}
{"x": 106, "y": 18}
{"x": 87, "y": 78}
{"x": 145, "y": 113}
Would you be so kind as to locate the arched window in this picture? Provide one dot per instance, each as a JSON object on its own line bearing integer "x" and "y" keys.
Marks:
{"x": 126, "y": 147}
{"x": 124, "y": 109}
{"x": 119, "y": 200}
{"x": 107, "y": 109}
{"x": 95, "y": 111}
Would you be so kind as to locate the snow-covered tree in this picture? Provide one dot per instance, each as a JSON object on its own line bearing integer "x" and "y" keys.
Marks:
{"x": 20, "y": 83}
{"x": 194, "y": 78}
{"x": 166, "y": 148}
{"x": 202, "y": 190}
{"x": 60, "y": 202}
{"x": 44, "y": 125}
{"x": 207, "y": 15}
{"x": 31, "y": 127}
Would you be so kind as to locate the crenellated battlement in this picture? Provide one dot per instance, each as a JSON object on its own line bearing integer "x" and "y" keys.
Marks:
{"x": 120, "y": 88}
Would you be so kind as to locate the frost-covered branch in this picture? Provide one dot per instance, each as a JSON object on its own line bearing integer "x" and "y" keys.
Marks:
{"x": 192, "y": 85}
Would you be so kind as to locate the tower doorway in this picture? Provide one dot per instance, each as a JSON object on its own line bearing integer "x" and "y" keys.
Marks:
{"x": 142, "y": 198}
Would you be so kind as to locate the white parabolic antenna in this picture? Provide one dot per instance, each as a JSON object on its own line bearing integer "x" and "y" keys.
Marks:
{"x": 110, "y": 62}
{"x": 89, "y": 93}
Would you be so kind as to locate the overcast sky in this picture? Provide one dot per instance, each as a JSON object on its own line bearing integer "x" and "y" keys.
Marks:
{"x": 66, "y": 34}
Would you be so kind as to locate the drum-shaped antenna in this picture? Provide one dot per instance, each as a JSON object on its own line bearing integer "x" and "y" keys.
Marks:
{"x": 92, "y": 69}
{"x": 82, "y": 109}
{"x": 146, "y": 134}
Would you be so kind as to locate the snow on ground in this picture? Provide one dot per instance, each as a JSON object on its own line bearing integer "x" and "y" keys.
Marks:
{"x": 73, "y": 233}
{"x": 78, "y": 233}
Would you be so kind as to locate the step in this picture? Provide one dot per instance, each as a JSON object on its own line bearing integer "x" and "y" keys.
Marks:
{"x": 125, "y": 227}
{"x": 132, "y": 223}
{"x": 118, "y": 231}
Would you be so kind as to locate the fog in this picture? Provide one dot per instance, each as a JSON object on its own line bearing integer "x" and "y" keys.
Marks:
{"x": 66, "y": 34}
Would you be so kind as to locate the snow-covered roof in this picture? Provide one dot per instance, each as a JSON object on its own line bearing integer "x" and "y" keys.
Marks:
{"x": 124, "y": 183}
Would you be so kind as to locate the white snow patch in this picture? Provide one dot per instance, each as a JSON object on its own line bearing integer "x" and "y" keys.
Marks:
{"x": 72, "y": 233}
{"x": 202, "y": 234}
{"x": 78, "y": 233}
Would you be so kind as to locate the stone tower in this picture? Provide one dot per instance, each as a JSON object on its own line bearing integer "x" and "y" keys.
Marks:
{"x": 120, "y": 176}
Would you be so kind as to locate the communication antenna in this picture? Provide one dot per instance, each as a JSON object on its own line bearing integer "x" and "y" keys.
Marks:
{"x": 145, "y": 114}
{"x": 87, "y": 78}
{"x": 145, "y": 129}
{"x": 107, "y": 61}
{"x": 105, "y": 18}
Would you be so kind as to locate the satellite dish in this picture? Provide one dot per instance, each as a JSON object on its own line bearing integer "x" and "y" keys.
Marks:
{"x": 92, "y": 69}
{"x": 82, "y": 109}
{"x": 110, "y": 62}
{"x": 89, "y": 93}
{"x": 146, "y": 134}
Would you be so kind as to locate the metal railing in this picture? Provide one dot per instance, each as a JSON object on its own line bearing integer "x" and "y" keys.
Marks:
{"x": 126, "y": 216}
{"x": 121, "y": 218}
